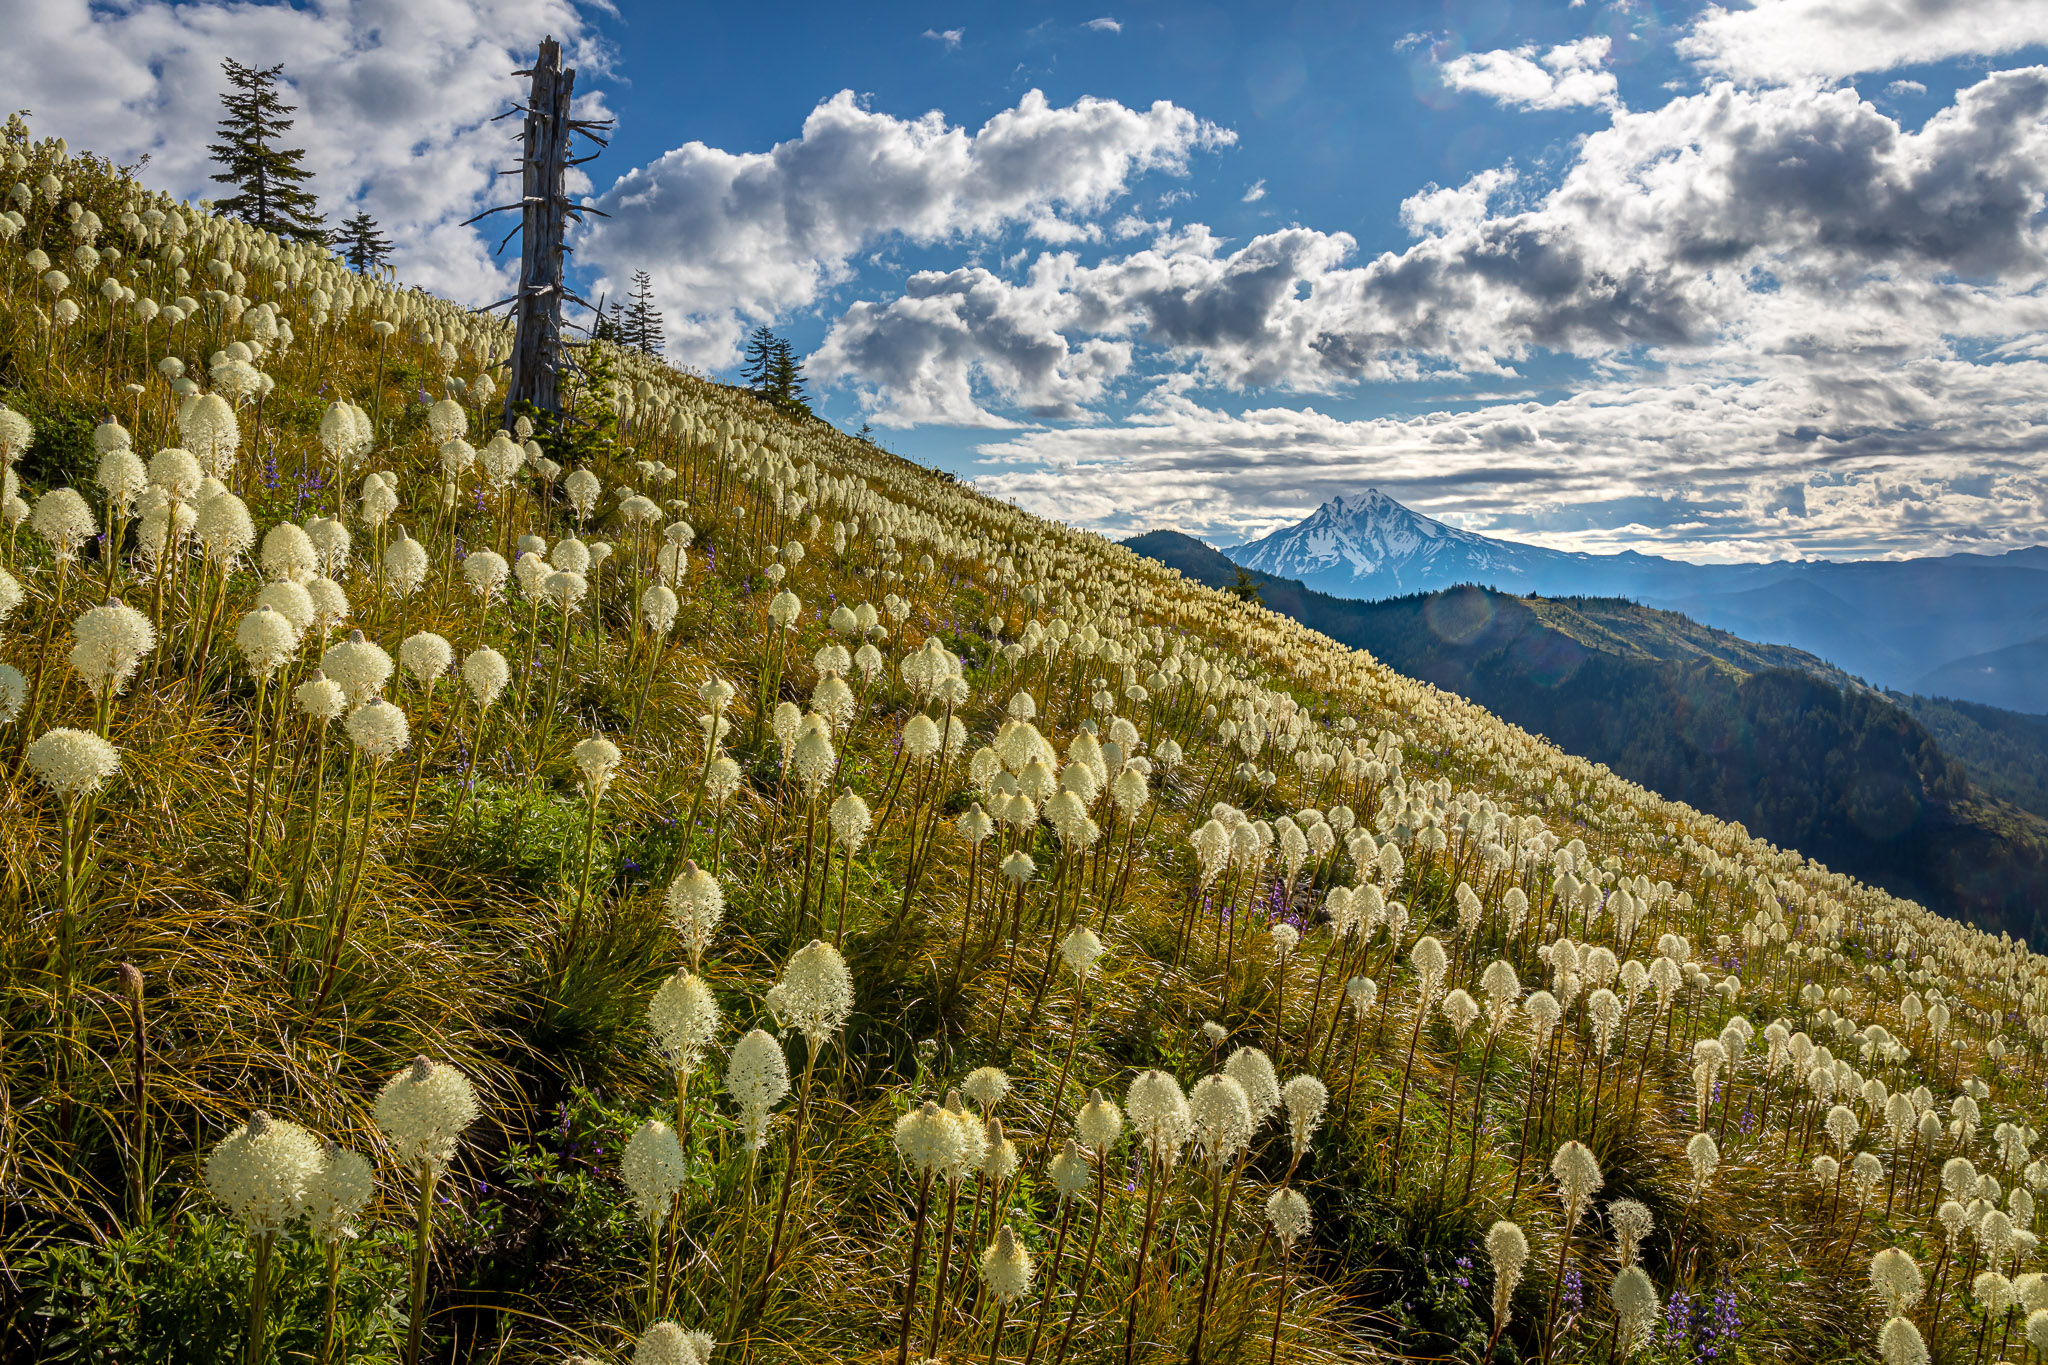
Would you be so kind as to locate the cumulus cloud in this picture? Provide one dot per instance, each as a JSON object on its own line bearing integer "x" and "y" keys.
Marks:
{"x": 1784, "y": 41}
{"x": 1434, "y": 210}
{"x": 1899, "y": 89}
{"x": 1805, "y": 459}
{"x": 393, "y": 101}
{"x": 1565, "y": 77}
{"x": 1781, "y": 221}
{"x": 732, "y": 238}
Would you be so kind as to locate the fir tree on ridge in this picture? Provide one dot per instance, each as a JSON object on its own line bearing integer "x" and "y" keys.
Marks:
{"x": 361, "y": 245}
{"x": 642, "y": 320}
{"x": 269, "y": 180}
{"x": 759, "y": 363}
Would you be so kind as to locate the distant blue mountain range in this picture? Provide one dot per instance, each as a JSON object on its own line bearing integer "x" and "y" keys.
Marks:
{"x": 1973, "y": 627}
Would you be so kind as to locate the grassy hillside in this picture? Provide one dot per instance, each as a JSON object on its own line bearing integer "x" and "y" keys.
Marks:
{"x": 659, "y": 925}
{"x": 1797, "y": 751}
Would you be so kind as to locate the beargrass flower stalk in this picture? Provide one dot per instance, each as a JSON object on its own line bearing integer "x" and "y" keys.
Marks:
{"x": 1220, "y": 1126}
{"x": 972, "y": 1138}
{"x": 335, "y": 1196}
{"x": 1635, "y": 1310}
{"x": 74, "y": 765}
{"x": 109, "y": 642}
{"x": 260, "y": 1173}
{"x": 818, "y": 1000}
{"x": 1704, "y": 1157}
{"x": 422, "y": 1112}
{"x": 1159, "y": 1112}
{"x": 1006, "y": 1273}
{"x": 1070, "y": 1174}
{"x": 1360, "y": 994}
{"x": 132, "y": 986}
{"x": 485, "y": 675}
{"x": 1287, "y": 1214}
{"x": 1080, "y": 950}
{"x": 928, "y": 1141}
{"x": 426, "y": 659}
{"x": 849, "y": 821}
{"x": 1508, "y": 1251}
{"x": 757, "y": 1078}
{"x": 653, "y": 1169}
{"x": 1578, "y": 1177}
{"x": 1099, "y": 1126}
{"x": 320, "y": 700}
{"x": 1428, "y": 959}
{"x": 378, "y": 731}
{"x": 597, "y": 762}
{"x": 266, "y": 641}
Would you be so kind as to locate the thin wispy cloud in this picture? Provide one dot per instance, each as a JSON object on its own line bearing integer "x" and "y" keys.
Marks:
{"x": 946, "y": 38}
{"x": 1104, "y": 25}
{"x": 1254, "y": 192}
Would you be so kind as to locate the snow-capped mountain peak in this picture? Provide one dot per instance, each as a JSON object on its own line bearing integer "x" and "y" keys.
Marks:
{"x": 1370, "y": 536}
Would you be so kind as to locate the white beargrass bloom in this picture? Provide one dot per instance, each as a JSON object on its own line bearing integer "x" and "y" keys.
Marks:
{"x": 1631, "y": 1221}
{"x": 1362, "y": 992}
{"x": 62, "y": 518}
{"x": 121, "y": 476}
{"x": 288, "y": 553}
{"x": 1635, "y": 1309}
{"x": 1100, "y": 1123}
{"x": 684, "y": 1018}
{"x": 266, "y": 640}
{"x": 1006, "y": 1267}
{"x": 1895, "y": 1280}
{"x": 1080, "y": 950}
{"x": 1705, "y": 1157}
{"x": 289, "y": 600}
{"x": 108, "y": 643}
{"x": 484, "y": 571}
{"x": 331, "y": 541}
{"x": 570, "y": 555}
{"x": 757, "y": 1078}
{"x": 817, "y": 992}
{"x": 426, "y": 657}
{"x": 927, "y": 1139}
{"x": 1305, "y": 1098}
{"x": 337, "y": 1193}
{"x": 1159, "y": 1111}
{"x": 986, "y": 1086}
{"x": 378, "y": 729}
{"x": 260, "y": 1172}
{"x": 582, "y": 488}
{"x": 1508, "y": 1251}
{"x": 1577, "y": 1172}
{"x": 13, "y": 693}
{"x": 320, "y": 698}
{"x": 10, "y": 595}
{"x": 667, "y": 1344}
{"x": 423, "y": 1111}
{"x": 850, "y": 821}
{"x": 1287, "y": 1212}
{"x": 1219, "y": 1118}
{"x": 485, "y": 673}
{"x": 360, "y": 667}
{"x": 658, "y": 607}
{"x": 597, "y": 760}
{"x": 1251, "y": 1068}
{"x": 1069, "y": 1170}
{"x": 695, "y": 903}
{"x": 72, "y": 763}
{"x": 1899, "y": 1343}
{"x": 405, "y": 565}
{"x": 330, "y": 603}
{"x": 653, "y": 1169}
{"x": 224, "y": 530}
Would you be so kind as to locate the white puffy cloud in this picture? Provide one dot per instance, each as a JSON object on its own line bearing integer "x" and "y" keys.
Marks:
{"x": 1792, "y": 220}
{"x": 1434, "y": 209}
{"x": 393, "y": 101}
{"x": 730, "y": 238}
{"x": 1785, "y": 41}
{"x": 1790, "y": 459}
{"x": 1565, "y": 77}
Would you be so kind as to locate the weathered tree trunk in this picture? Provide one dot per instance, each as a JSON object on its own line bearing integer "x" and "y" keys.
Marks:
{"x": 544, "y": 204}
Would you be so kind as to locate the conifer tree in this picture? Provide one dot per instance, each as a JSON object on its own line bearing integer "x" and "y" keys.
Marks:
{"x": 642, "y": 318}
{"x": 268, "y": 179}
{"x": 786, "y": 380}
{"x": 361, "y": 245}
{"x": 759, "y": 366}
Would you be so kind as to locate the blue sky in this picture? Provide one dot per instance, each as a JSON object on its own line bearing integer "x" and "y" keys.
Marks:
{"x": 1768, "y": 280}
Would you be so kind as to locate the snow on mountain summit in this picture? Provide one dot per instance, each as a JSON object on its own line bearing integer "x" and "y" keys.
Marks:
{"x": 1369, "y": 536}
